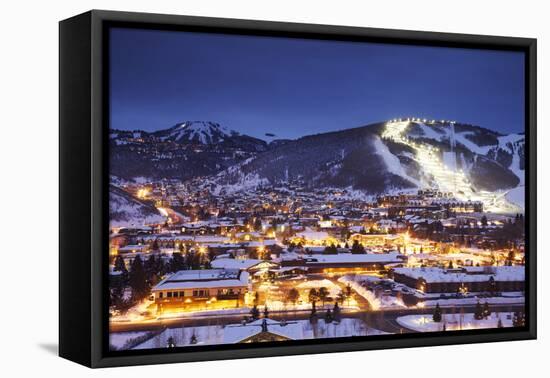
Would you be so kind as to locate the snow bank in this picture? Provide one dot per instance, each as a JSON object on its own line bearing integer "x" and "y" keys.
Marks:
{"x": 453, "y": 322}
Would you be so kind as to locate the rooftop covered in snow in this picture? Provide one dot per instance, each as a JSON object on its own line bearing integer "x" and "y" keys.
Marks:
{"x": 204, "y": 279}
{"x": 468, "y": 274}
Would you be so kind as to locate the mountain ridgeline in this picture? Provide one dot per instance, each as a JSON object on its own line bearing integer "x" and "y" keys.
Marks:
{"x": 366, "y": 158}
{"x": 184, "y": 151}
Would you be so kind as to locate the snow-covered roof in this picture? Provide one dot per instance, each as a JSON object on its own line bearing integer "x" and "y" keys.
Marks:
{"x": 354, "y": 258}
{"x": 237, "y": 333}
{"x": 132, "y": 247}
{"x": 243, "y": 264}
{"x": 203, "y": 279}
{"x": 473, "y": 274}
{"x": 309, "y": 234}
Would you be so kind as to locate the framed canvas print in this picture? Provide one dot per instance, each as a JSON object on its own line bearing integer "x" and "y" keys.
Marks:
{"x": 233, "y": 188}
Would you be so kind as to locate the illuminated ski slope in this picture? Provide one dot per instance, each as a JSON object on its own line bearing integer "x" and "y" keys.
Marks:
{"x": 444, "y": 178}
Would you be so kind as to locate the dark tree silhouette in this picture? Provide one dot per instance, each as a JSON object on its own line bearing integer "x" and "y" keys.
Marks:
{"x": 293, "y": 295}
{"x": 255, "y": 313}
{"x": 138, "y": 280}
{"x": 120, "y": 266}
{"x": 478, "y": 313}
{"x": 313, "y": 295}
{"x": 323, "y": 295}
{"x": 357, "y": 248}
{"x": 437, "y": 315}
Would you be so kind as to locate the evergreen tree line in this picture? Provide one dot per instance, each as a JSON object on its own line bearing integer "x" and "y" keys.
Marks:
{"x": 143, "y": 275}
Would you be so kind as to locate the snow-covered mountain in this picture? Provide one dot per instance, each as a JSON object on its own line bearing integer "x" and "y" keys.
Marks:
{"x": 184, "y": 151}
{"x": 128, "y": 211}
{"x": 471, "y": 161}
{"x": 196, "y": 132}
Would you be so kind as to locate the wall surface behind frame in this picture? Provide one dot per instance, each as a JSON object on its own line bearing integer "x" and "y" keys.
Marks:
{"x": 29, "y": 189}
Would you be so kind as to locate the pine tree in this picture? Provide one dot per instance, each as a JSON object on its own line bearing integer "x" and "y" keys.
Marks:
{"x": 150, "y": 267}
{"x": 177, "y": 262}
{"x": 328, "y": 317}
{"x": 120, "y": 266}
{"x": 117, "y": 294}
{"x": 155, "y": 247}
{"x": 357, "y": 248}
{"x": 437, "y": 315}
{"x": 478, "y": 313}
{"x": 484, "y": 221}
{"x": 171, "y": 343}
{"x": 257, "y": 224}
{"x": 313, "y": 314}
{"x": 255, "y": 313}
{"x": 486, "y": 310}
{"x": 192, "y": 261}
{"x": 138, "y": 280}
{"x": 336, "y": 312}
{"x": 266, "y": 312}
{"x": 348, "y": 292}
{"x": 491, "y": 285}
{"x": 330, "y": 250}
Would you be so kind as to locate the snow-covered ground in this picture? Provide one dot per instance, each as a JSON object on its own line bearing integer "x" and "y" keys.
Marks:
{"x": 138, "y": 312}
{"x": 119, "y": 339}
{"x": 128, "y": 211}
{"x": 332, "y": 288}
{"x": 218, "y": 334}
{"x": 204, "y": 335}
{"x": 376, "y": 302}
{"x": 472, "y": 301}
{"x": 453, "y": 322}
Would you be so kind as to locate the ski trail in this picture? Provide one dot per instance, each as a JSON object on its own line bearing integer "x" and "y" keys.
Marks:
{"x": 445, "y": 179}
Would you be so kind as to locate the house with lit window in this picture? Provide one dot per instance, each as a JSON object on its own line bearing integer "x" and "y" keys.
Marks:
{"x": 201, "y": 289}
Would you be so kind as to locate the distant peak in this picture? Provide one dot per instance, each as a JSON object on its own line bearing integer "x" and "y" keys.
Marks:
{"x": 204, "y": 132}
{"x": 199, "y": 125}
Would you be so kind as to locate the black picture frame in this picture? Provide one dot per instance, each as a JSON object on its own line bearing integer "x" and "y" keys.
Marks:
{"x": 83, "y": 197}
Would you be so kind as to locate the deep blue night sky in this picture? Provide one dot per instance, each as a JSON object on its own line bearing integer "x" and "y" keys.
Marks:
{"x": 295, "y": 87}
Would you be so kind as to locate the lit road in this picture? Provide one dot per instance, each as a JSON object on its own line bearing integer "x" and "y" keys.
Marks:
{"x": 382, "y": 320}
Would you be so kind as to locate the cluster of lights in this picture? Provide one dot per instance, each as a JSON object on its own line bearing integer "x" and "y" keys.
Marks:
{"x": 143, "y": 193}
{"x": 448, "y": 180}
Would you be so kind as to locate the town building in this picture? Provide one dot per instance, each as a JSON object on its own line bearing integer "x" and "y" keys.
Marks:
{"x": 342, "y": 261}
{"x": 466, "y": 279}
{"x": 197, "y": 289}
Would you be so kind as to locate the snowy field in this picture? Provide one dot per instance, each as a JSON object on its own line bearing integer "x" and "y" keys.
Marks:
{"x": 453, "y": 322}
{"x": 119, "y": 339}
{"x": 332, "y": 288}
{"x": 217, "y": 334}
